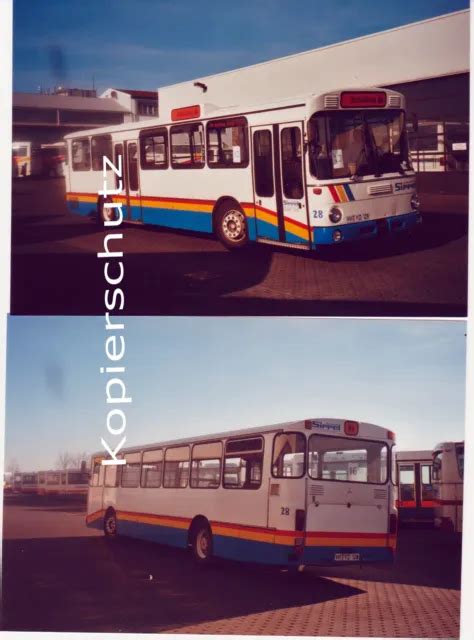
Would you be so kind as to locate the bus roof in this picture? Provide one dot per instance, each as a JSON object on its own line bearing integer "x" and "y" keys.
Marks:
{"x": 408, "y": 456}
{"x": 367, "y": 431}
{"x": 208, "y": 111}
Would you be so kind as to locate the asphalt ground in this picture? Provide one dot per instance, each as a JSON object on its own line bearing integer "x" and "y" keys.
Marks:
{"x": 60, "y": 576}
{"x": 55, "y": 270}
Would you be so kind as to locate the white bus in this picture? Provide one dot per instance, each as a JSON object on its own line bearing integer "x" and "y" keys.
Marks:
{"x": 448, "y": 471}
{"x": 320, "y": 170}
{"x": 69, "y": 483}
{"x": 314, "y": 492}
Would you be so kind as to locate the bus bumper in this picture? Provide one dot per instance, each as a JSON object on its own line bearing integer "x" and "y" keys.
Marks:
{"x": 340, "y": 234}
{"x": 338, "y": 556}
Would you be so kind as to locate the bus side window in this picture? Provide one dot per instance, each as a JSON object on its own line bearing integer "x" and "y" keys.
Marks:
{"x": 111, "y": 475}
{"x": 187, "y": 146}
{"x": 243, "y": 463}
{"x": 263, "y": 163}
{"x": 206, "y": 465}
{"x": 131, "y": 470}
{"x": 100, "y": 146}
{"x": 176, "y": 467}
{"x": 289, "y": 451}
{"x": 407, "y": 482}
{"x": 96, "y": 465}
{"x": 154, "y": 149}
{"x": 426, "y": 486}
{"x": 81, "y": 154}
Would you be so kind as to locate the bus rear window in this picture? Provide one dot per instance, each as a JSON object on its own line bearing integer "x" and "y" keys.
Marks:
{"x": 347, "y": 459}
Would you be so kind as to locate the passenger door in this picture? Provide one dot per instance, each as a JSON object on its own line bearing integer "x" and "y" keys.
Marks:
{"x": 96, "y": 487}
{"x": 132, "y": 210}
{"x": 279, "y": 186}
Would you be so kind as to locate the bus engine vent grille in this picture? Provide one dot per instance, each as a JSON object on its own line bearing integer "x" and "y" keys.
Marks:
{"x": 380, "y": 494}
{"x": 316, "y": 490}
{"x": 331, "y": 102}
{"x": 394, "y": 101}
{"x": 380, "y": 189}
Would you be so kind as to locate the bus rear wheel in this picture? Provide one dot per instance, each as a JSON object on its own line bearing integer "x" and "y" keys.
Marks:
{"x": 110, "y": 524}
{"x": 231, "y": 226}
{"x": 202, "y": 544}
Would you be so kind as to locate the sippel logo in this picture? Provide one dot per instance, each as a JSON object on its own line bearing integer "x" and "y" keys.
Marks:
{"x": 325, "y": 425}
{"x": 404, "y": 186}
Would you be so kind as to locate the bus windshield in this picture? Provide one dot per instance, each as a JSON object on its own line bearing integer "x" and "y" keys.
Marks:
{"x": 355, "y": 143}
{"x": 347, "y": 459}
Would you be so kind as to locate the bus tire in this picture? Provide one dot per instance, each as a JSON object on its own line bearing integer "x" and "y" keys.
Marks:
{"x": 110, "y": 524}
{"x": 201, "y": 543}
{"x": 230, "y": 226}
{"x": 104, "y": 214}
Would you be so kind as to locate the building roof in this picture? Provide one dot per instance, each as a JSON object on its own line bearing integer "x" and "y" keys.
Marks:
{"x": 42, "y": 101}
{"x": 136, "y": 93}
{"x": 426, "y": 49}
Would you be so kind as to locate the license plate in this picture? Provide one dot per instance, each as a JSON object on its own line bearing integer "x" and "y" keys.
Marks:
{"x": 347, "y": 557}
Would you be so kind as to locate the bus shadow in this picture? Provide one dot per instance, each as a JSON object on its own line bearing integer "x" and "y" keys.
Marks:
{"x": 88, "y": 584}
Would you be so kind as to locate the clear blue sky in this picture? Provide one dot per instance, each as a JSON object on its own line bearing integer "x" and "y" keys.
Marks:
{"x": 145, "y": 44}
{"x": 191, "y": 376}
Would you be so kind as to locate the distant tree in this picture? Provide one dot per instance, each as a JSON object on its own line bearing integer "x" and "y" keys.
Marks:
{"x": 78, "y": 458}
{"x": 67, "y": 460}
{"x": 63, "y": 460}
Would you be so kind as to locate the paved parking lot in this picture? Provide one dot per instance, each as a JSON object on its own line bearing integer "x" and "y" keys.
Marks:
{"x": 55, "y": 269}
{"x": 60, "y": 576}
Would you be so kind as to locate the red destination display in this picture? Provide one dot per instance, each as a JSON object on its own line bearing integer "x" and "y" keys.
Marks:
{"x": 351, "y": 99}
{"x": 186, "y": 113}
{"x": 351, "y": 428}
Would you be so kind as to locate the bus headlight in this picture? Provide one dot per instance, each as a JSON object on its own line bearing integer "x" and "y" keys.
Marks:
{"x": 335, "y": 215}
{"x": 415, "y": 203}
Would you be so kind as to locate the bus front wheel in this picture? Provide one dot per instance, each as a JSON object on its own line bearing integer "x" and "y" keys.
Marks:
{"x": 105, "y": 214}
{"x": 110, "y": 524}
{"x": 231, "y": 226}
{"x": 202, "y": 544}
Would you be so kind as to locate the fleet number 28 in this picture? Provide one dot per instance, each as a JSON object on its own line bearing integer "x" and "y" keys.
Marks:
{"x": 285, "y": 511}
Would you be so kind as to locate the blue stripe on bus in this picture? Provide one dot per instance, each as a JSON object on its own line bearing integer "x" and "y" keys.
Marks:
{"x": 365, "y": 229}
{"x": 348, "y": 191}
{"x": 81, "y": 208}
{"x": 172, "y": 536}
{"x": 267, "y": 230}
{"x": 178, "y": 219}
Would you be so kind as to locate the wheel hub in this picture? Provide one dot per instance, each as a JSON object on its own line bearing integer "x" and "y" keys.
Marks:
{"x": 233, "y": 225}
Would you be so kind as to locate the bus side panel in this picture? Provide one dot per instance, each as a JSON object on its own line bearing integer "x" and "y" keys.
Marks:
{"x": 248, "y": 550}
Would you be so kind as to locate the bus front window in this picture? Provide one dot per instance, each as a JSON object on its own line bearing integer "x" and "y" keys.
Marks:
{"x": 352, "y": 143}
